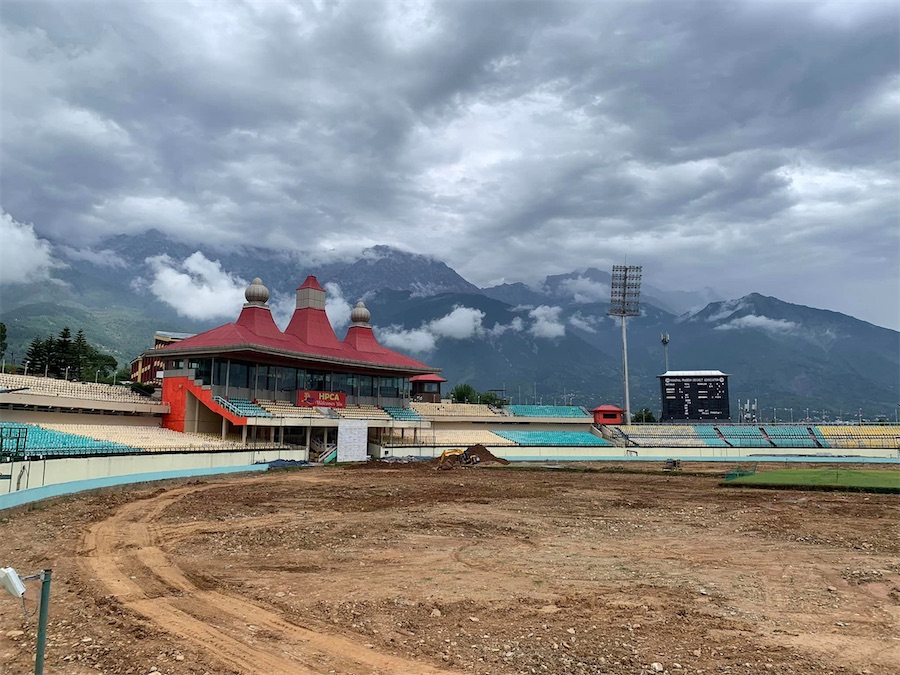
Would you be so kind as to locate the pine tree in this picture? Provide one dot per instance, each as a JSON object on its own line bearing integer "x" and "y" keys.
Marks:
{"x": 3, "y": 344}
{"x": 80, "y": 354}
{"x": 51, "y": 358}
{"x": 36, "y": 356}
{"x": 63, "y": 353}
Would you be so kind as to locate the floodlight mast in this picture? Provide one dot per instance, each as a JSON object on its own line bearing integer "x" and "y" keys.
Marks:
{"x": 624, "y": 301}
{"x": 664, "y": 338}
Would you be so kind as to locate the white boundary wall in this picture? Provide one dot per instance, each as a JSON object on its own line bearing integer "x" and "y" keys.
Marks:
{"x": 42, "y": 472}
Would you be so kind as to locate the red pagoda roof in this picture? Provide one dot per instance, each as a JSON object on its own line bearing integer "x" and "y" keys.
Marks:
{"x": 430, "y": 377}
{"x": 311, "y": 282}
{"x": 308, "y": 335}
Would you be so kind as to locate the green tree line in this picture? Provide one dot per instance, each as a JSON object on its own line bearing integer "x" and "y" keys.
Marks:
{"x": 466, "y": 393}
{"x": 67, "y": 357}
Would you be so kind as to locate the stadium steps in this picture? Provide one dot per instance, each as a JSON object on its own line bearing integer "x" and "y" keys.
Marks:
{"x": 722, "y": 437}
{"x": 812, "y": 435}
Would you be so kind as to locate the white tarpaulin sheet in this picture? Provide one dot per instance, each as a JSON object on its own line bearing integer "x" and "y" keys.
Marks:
{"x": 353, "y": 438}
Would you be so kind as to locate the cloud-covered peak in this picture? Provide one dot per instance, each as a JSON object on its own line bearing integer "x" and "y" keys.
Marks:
{"x": 738, "y": 145}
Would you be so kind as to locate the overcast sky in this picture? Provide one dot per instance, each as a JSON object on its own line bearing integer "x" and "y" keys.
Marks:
{"x": 748, "y": 146}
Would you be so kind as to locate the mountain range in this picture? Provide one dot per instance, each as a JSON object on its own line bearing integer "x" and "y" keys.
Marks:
{"x": 550, "y": 341}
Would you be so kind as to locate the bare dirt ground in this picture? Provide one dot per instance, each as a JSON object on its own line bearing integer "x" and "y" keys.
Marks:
{"x": 407, "y": 570}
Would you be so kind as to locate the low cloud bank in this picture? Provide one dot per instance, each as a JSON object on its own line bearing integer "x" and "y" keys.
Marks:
{"x": 776, "y": 326}
{"x": 197, "y": 288}
{"x": 24, "y": 257}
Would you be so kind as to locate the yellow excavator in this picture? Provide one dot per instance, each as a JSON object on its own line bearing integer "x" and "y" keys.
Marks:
{"x": 465, "y": 458}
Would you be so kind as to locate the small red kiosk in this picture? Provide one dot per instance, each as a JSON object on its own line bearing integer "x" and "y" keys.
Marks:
{"x": 426, "y": 388}
{"x": 607, "y": 414}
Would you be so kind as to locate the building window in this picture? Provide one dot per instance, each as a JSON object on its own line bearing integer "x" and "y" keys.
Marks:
{"x": 239, "y": 375}
{"x": 203, "y": 371}
{"x": 390, "y": 387}
{"x": 365, "y": 385}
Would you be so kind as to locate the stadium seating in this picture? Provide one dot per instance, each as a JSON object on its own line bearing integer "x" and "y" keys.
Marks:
{"x": 47, "y": 386}
{"x": 739, "y": 436}
{"x": 285, "y": 409}
{"x": 362, "y": 412}
{"x": 789, "y": 436}
{"x": 860, "y": 436}
{"x": 403, "y": 414}
{"x": 819, "y": 437}
{"x": 242, "y": 407}
{"x": 452, "y": 437}
{"x": 707, "y": 433}
{"x": 668, "y": 436}
{"x": 453, "y": 409}
{"x": 661, "y": 435}
{"x": 148, "y": 438}
{"x": 547, "y": 411}
{"x": 554, "y": 438}
{"x": 44, "y": 441}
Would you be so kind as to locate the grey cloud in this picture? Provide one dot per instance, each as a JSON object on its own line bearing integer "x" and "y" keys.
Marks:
{"x": 751, "y": 146}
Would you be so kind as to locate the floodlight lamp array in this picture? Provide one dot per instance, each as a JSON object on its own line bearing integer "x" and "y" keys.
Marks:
{"x": 625, "y": 290}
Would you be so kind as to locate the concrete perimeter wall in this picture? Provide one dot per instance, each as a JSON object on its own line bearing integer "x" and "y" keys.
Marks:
{"x": 580, "y": 453}
{"x": 74, "y": 474}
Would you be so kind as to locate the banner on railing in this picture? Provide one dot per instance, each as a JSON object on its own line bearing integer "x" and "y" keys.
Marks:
{"x": 321, "y": 399}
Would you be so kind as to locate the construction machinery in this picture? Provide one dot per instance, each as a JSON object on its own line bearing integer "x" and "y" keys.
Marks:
{"x": 464, "y": 458}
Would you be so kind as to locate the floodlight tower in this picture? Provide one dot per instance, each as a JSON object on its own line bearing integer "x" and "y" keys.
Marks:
{"x": 624, "y": 301}
{"x": 664, "y": 338}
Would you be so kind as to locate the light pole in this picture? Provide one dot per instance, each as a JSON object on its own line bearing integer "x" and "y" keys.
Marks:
{"x": 624, "y": 301}
{"x": 14, "y": 586}
{"x": 664, "y": 338}
{"x": 26, "y": 367}
{"x": 792, "y": 415}
{"x": 67, "y": 373}
{"x": 96, "y": 376}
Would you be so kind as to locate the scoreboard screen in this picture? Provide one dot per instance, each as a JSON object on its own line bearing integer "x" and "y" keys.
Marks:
{"x": 693, "y": 397}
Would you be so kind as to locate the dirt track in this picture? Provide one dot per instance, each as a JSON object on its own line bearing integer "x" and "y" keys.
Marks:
{"x": 410, "y": 570}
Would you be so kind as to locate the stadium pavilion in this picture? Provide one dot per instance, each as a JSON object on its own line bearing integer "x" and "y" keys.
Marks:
{"x": 293, "y": 386}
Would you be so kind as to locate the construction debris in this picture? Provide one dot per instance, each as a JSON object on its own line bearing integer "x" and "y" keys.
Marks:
{"x": 471, "y": 456}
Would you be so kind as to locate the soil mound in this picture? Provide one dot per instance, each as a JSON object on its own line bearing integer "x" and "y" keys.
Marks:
{"x": 483, "y": 455}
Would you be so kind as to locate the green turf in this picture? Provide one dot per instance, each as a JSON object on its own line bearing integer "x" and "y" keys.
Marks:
{"x": 887, "y": 479}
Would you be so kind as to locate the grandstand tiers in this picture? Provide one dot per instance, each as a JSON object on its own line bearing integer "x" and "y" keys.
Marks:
{"x": 30, "y": 392}
{"x": 767, "y": 439}
{"x": 250, "y": 373}
{"x": 547, "y": 411}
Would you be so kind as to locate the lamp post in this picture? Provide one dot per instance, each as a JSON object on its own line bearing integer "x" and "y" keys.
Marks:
{"x": 96, "y": 376}
{"x": 67, "y": 373}
{"x": 624, "y": 301}
{"x": 26, "y": 367}
{"x": 14, "y": 586}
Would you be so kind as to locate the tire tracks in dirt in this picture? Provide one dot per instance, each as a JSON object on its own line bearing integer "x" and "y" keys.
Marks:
{"x": 122, "y": 554}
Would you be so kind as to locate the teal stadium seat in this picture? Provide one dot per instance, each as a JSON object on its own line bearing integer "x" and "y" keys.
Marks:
{"x": 402, "y": 414}
{"x": 819, "y": 437}
{"x": 744, "y": 436}
{"x": 553, "y": 438}
{"x": 789, "y": 436}
{"x": 242, "y": 407}
{"x": 48, "y": 443}
{"x": 709, "y": 436}
{"x": 547, "y": 411}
